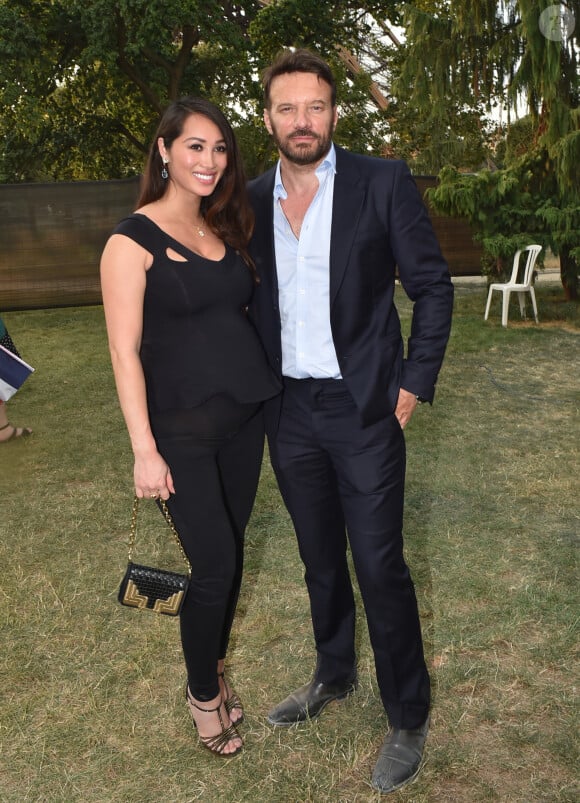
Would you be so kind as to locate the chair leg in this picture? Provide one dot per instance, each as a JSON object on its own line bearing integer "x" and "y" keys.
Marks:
{"x": 487, "y": 306}
{"x": 504, "y": 307}
{"x": 522, "y": 300}
{"x": 534, "y": 305}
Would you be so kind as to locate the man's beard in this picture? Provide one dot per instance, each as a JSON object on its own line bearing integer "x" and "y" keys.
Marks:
{"x": 303, "y": 154}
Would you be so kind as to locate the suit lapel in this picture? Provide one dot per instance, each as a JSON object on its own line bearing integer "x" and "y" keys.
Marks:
{"x": 346, "y": 209}
{"x": 264, "y": 233}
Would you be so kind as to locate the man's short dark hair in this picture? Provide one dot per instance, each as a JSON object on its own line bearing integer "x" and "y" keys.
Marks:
{"x": 291, "y": 61}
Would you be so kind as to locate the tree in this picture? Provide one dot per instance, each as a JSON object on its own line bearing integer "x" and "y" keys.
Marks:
{"x": 82, "y": 84}
{"x": 535, "y": 196}
{"x": 511, "y": 208}
{"x": 437, "y": 117}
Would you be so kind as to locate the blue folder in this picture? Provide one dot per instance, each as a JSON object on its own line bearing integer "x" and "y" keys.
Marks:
{"x": 13, "y": 373}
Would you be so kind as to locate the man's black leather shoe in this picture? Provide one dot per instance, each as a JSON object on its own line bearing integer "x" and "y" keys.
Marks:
{"x": 309, "y": 701}
{"x": 400, "y": 758}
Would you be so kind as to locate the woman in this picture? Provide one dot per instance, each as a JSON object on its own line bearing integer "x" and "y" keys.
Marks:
{"x": 191, "y": 376}
{"x": 8, "y": 431}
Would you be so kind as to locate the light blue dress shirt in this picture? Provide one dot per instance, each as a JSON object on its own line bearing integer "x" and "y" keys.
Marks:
{"x": 303, "y": 281}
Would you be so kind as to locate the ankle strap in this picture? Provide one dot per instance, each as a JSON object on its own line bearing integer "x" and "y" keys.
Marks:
{"x": 205, "y": 710}
{"x": 190, "y": 699}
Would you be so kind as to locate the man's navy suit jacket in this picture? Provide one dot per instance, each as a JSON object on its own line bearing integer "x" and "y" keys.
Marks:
{"x": 380, "y": 230}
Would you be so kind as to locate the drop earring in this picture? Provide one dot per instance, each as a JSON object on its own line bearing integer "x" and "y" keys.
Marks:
{"x": 164, "y": 173}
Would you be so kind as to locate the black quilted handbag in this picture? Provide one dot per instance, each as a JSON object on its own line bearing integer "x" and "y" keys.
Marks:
{"x": 151, "y": 589}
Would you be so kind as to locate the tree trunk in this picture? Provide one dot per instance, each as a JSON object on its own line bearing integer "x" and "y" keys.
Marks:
{"x": 569, "y": 270}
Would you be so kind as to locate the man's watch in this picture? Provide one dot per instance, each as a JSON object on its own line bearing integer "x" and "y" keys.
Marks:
{"x": 421, "y": 399}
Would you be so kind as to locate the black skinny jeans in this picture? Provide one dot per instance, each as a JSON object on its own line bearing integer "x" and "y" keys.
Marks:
{"x": 215, "y": 453}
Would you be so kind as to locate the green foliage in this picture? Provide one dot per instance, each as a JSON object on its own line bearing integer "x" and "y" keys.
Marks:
{"x": 442, "y": 90}
{"x": 361, "y": 126}
{"x": 489, "y": 202}
{"x": 536, "y": 195}
{"x": 255, "y": 144}
{"x": 513, "y": 207}
{"x": 519, "y": 139}
{"x": 83, "y": 84}
{"x": 293, "y": 23}
{"x": 437, "y": 136}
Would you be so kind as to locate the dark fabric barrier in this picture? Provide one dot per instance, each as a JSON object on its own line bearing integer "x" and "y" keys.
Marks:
{"x": 52, "y": 236}
{"x": 455, "y": 237}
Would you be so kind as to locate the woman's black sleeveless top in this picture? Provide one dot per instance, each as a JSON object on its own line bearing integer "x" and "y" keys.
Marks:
{"x": 197, "y": 339}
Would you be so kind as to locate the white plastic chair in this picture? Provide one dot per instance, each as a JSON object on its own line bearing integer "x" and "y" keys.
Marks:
{"x": 525, "y": 285}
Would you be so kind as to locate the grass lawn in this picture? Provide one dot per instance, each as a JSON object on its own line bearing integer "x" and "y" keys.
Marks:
{"x": 92, "y": 704}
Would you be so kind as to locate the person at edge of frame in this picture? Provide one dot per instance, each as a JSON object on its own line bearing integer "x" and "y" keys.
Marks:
{"x": 331, "y": 228}
{"x": 191, "y": 376}
{"x": 8, "y": 431}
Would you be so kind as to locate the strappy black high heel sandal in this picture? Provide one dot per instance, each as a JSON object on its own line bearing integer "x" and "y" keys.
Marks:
{"x": 217, "y": 743}
{"x": 232, "y": 701}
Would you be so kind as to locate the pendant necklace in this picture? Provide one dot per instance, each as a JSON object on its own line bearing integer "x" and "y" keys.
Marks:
{"x": 199, "y": 229}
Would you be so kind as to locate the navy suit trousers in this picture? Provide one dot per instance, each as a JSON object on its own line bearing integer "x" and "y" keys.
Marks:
{"x": 343, "y": 482}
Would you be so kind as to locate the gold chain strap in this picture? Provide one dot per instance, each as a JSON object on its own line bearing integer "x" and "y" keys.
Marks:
{"x": 168, "y": 519}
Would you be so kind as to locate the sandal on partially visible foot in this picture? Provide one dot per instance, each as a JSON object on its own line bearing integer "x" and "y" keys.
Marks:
{"x": 232, "y": 701}
{"x": 17, "y": 432}
{"x": 216, "y": 744}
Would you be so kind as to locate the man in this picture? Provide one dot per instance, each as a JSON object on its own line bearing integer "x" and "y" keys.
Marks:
{"x": 330, "y": 228}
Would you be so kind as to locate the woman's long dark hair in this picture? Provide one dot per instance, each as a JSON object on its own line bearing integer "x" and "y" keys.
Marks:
{"x": 227, "y": 211}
